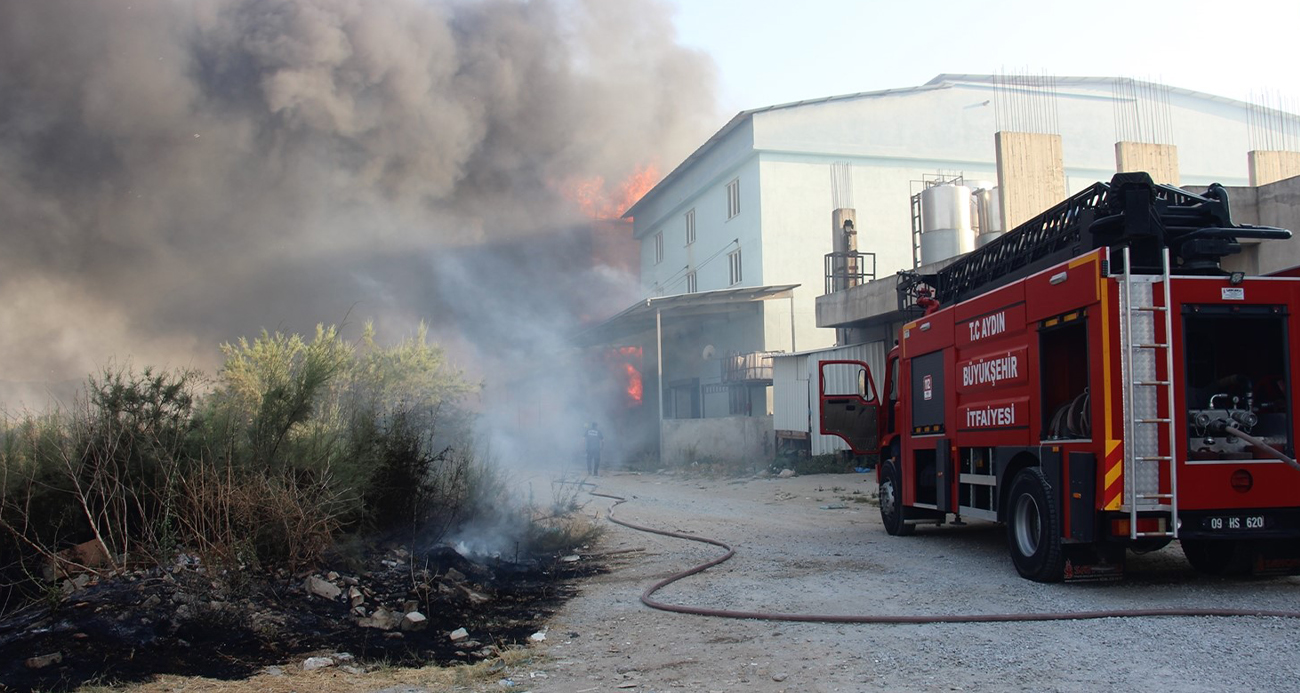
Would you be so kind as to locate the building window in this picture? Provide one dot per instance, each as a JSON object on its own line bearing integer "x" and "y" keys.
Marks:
{"x": 733, "y": 259}
{"x": 659, "y": 247}
{"x": 690, "y": 227}
{"x": 733, "y": 198}
{"x": 690, "y": 282}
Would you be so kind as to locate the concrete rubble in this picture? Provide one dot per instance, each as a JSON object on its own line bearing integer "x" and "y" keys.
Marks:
{"x": 322, "y": 587}
{"x": 408, "y": 604}
{"x": 44, "y": 660}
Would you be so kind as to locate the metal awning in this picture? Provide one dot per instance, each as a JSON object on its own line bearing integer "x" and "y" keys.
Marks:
{"x": 640, "y": 317}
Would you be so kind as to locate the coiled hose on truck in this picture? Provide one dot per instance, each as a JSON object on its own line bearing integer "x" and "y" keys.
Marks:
{"x": 647, "y": 597}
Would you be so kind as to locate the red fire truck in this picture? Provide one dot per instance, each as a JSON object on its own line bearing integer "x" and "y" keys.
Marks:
{"x": 1096, "y": 382}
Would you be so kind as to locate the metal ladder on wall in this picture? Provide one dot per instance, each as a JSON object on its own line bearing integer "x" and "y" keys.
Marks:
{"x": 1143, "y": 391}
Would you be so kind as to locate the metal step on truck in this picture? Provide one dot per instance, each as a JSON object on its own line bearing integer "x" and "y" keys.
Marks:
{"x": 1098, "y": 383}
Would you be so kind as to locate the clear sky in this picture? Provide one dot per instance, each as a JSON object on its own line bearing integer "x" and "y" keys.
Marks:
{"x": 771, "y": 51}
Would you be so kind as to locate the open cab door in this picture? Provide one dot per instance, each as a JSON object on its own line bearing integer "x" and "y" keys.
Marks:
{"x": 849, "y": 406}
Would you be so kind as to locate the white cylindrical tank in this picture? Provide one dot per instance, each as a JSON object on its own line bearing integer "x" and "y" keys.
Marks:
{"x": 945, "y": 222}
{"x": 988, "y": 206}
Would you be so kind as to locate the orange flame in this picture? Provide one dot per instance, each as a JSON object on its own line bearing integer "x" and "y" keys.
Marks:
{"x": 634, "y": 387}
{"x": 593, "y": 200}
{"x": 633, "y": 383}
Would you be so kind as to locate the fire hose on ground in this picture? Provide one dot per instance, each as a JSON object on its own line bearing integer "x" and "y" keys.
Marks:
{"x": 647, "y": 597}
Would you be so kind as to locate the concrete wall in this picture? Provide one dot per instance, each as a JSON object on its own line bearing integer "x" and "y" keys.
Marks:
{"x": 1031, "y": 174}
{"x": 1160, "y": 160}
{"x": 1279, "y": 205}
{"x": 735, "y": 439}
{"x": 1272, "y": 166}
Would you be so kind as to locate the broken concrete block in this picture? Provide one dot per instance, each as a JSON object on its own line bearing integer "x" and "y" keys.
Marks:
{"x": 322, "y": 588}
{"x": 382, "y": 619}
{"x": 414, "y": 621}
{"x": 44, "y": 660}
{"x": 314, "y": 663}
{"x": 475, "y": 598}
{"x": 458, "y": 635}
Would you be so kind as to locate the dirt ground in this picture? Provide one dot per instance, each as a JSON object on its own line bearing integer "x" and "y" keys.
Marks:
{"x": 815, "y": 545}
{"x": 808, "y": 545}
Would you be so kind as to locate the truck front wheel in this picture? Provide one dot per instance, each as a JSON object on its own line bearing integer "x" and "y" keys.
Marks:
{"x": 1034, "y": 528}
{"x": 891, "y": 500}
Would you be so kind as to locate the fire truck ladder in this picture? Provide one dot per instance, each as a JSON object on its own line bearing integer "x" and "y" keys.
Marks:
{"x": 1144, "y": 388}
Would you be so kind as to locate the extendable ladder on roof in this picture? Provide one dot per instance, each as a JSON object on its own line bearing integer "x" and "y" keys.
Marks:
{"x": 1145, "y": 389}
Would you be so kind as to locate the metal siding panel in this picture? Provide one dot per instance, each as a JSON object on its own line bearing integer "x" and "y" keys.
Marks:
{"x": 790, "y": 393}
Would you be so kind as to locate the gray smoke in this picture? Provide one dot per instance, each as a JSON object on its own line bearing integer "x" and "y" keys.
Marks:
{"x": 177, "y": 174}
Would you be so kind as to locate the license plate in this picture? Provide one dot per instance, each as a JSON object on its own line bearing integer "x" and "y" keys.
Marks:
{"x": 1234, "y": 523}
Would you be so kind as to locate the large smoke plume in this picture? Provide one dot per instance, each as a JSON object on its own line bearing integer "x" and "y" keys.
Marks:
{"x": 177, "y": 174}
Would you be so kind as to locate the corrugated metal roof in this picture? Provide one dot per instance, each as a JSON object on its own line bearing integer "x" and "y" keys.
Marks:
{"x": 640, "y": 316}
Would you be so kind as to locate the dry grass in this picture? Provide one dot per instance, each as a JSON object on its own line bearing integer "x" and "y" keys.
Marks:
{"x": 467, "y": 678}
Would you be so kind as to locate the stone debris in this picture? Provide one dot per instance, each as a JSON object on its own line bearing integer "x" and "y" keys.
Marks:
{"x": 44, "y": 660}
{"x": 574, "y": 558}
{"x": 408, "y": 606}
{"x": 780, "y": 676}
{"x": 314, "y": 663}
{"x": 786, "y": 473}
{"x": 322, "y": 588}
{"x": 381, "y": 619}
{"x": 475, "y": 598}
{"x": 414, "y": 621}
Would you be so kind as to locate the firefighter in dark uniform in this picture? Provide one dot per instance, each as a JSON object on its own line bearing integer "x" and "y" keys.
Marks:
{"x": 595, "y": 439}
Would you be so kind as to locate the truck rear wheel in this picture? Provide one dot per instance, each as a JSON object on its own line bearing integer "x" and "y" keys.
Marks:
{"x": 1034, "y": 528}
{"x": 1217, "y": 557}
{"x": 891, "y": 500}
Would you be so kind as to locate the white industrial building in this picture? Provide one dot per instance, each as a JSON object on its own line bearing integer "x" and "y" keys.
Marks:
{"x": 749, "y": 214}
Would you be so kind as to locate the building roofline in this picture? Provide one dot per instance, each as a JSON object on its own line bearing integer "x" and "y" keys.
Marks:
{"x": 641, "y": 316}
{"x": 950, "y": 78}
{"x": 744, "y": 116}
{"x": 942, "y": 81}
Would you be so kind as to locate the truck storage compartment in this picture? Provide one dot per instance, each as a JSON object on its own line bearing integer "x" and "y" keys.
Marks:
{"x": 1236, "y": 375}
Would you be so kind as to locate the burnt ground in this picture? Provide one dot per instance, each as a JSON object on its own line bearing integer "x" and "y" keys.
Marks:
{"x": 183, "y": 620}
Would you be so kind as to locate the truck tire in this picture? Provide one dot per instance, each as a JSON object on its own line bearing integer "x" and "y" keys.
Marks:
{"x": 1034, "y": 528}
{"x": 891, "y": 500}
{"x": 1217, "y": 557}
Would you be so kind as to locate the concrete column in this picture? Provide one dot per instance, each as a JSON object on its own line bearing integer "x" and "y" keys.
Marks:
{"x": 1031, "y": 174}
{"x": 1159, "y": 160}
{"x": 1272, "y": 166}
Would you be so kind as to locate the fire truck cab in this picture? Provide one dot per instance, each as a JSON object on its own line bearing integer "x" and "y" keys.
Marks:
{"x": 1095, "y": 381}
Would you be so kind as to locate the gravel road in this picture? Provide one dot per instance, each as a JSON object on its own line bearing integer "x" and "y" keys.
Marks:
{"x": 807, "y": 545}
